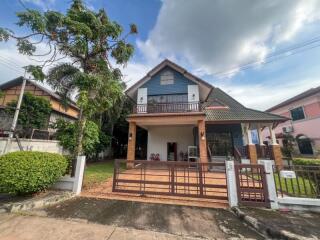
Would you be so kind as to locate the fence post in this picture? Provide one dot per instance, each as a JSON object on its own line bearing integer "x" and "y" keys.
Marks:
{"x": 231, "y": 182}
{"x": 270, "y": 183}
{"x": 77, "y": 185}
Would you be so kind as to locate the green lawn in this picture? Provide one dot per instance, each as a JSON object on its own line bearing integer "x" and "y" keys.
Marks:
{"x": 96, "y": 173}
{"x": 295, "y": 187}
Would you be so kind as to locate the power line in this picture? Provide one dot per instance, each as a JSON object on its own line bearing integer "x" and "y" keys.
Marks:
{"x": 11, "y": 68}
{"x": 280, "y": 54}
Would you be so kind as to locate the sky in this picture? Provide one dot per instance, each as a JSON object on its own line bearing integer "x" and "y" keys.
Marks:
{"x": 259, "y": 52}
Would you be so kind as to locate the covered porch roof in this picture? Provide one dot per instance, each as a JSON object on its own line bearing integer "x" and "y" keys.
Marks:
{"x": 235, "y": 111}
{"x": 165, "y": 119}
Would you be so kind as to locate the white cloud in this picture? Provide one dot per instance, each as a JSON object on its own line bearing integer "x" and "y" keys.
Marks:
{"x": 134, "y": 72}
{"x": 218, "y": 35}
{"x": 263, "y": 96}
{"x": 44, "y": 4}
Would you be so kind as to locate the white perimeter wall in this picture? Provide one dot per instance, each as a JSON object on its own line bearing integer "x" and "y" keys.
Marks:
{"x": 34, "y": 145}
{"x": 159, "y": 136}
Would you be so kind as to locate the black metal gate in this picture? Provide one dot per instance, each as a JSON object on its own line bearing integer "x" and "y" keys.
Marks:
{"x": 185, "y": 179}
{"x": 252, "y": 185}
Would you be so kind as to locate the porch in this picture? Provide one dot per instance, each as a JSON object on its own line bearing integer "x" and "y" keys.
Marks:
{"x": 188, "y": 137}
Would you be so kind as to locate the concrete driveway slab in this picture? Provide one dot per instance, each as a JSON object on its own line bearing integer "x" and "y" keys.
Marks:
{"x": 172, "y": 219}
{"x": 17, "y": 227}
{"x": 33, "y": 228}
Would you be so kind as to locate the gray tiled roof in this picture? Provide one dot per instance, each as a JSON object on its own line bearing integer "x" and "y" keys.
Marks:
{"x": 235, "y": 111}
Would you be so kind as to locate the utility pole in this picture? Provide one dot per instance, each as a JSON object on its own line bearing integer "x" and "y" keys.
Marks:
{"x": 15, "y": 118}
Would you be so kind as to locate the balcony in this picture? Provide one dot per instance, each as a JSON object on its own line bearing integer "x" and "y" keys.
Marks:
{"x": 167, "y": 107}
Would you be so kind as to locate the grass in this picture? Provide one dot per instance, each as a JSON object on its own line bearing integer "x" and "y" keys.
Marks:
{"x": 296, "y": 187}
{"x": 96, "y": 173}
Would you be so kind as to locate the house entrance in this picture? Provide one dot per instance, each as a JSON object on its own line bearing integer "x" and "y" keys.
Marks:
{"x": 220, "y": 144}
{"x": 172, "y": 151}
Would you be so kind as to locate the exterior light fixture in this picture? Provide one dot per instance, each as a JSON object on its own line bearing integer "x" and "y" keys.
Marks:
{"x": 193, "y": 96}
{"x": 130, "y": 136}
{"x": 202, "y": 135}
{"x": 141, "y": 99}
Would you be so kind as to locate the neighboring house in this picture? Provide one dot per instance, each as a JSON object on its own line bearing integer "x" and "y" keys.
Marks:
{"x": 183, "y": 114}
{"x": 304, "y": 126}
{"x": 11, "y": 91}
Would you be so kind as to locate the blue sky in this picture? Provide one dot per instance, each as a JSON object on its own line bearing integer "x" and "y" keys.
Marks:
{"x": 207, "y": 37}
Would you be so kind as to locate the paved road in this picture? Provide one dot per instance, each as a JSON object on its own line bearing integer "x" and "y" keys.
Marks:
{"x": 17, "y": 227}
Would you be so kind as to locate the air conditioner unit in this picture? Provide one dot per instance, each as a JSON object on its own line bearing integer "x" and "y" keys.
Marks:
{"x": 287, "y": 129}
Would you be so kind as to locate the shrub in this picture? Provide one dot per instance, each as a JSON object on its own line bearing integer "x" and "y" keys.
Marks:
{"x": 30, "y": 172}
{"x": 306, "y": 161}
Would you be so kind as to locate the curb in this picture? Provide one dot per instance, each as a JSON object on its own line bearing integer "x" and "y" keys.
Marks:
{"x": 38, "y": 203}
{"x": 265, "y": 229}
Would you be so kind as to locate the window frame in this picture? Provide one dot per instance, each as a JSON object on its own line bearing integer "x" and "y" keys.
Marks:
{"x": 295, "y": 108}
{"x": 165, "y": 78}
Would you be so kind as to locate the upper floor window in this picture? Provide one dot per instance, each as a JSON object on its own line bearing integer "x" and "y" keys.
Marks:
{"x": 167, "y": 78}
{"x": 297, "y": 114}
{"x": 174, "y": 98}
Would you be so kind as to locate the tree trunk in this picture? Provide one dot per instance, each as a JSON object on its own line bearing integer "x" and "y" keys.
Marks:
{"x": 79, "y": 148}
{"x": 82, "y": 123}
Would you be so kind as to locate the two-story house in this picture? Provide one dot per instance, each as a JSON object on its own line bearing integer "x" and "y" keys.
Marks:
{"x": 11, "y": 91}
{"x": 304, "y": 126}
{"x": 189, "y": 119}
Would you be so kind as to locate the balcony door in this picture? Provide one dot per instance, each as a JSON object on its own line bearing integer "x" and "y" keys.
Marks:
{"x": 172, "y": 151}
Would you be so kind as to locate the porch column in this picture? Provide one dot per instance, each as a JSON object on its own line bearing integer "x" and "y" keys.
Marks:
{"x": 260, "y": 135}
{"x": 131, "y": 144}
{"x": 202, "y": 141}
{"x": 276, "y": 150}
{"x": 262, "y": 146}
{"x": 252, "y": 151}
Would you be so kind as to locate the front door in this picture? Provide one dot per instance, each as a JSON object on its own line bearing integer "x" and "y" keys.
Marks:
{"x": 220, "y": 144}
{"x": 172, "y": 151}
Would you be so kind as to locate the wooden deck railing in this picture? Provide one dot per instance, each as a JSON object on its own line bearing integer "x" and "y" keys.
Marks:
{"x": 167, "y": 107}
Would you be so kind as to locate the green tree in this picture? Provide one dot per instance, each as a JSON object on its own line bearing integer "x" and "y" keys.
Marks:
{"x": 91, "y": 41}
{"x": 34, "y": 112}
{"x": 66, "y": 133}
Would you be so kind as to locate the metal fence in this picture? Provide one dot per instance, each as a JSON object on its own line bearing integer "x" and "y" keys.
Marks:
{"x": 184, "y": 179}
{"x": 300, "y": 181}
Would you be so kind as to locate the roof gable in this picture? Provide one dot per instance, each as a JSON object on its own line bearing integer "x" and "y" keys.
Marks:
{"x": 18, "y": 81}
{"x": 204, "y": 87}
{"x": 179, "y": 85}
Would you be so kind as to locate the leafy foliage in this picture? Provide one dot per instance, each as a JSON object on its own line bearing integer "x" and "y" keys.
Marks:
{"x": 288, "y": 145}
{"x": 306, "y": 162}
{"x": 34, "y": 112}
{"x": 88, "y": 39}
{"x": 67, "y": 134}
{"x": 30, "y": 172}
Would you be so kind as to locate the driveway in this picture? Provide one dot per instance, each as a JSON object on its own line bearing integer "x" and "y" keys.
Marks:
{"x": 171, "y": 219}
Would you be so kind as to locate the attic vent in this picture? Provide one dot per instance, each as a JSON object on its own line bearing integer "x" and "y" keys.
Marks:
{"x": 167, "y": 78}
{"x": 216, "y": 104}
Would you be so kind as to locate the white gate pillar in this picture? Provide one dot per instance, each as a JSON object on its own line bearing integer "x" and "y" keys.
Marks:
{"x": 78, "y": 178}
{"x": 271, "y": 184}
{"x": 231, "y": 184}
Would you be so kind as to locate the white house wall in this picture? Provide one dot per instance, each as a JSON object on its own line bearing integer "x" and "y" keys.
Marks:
{"x": 159, "y": 136}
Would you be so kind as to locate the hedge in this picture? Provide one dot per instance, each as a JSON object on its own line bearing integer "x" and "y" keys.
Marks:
{"x": 30, "y": 172}
{"x": 306, "y": 161}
